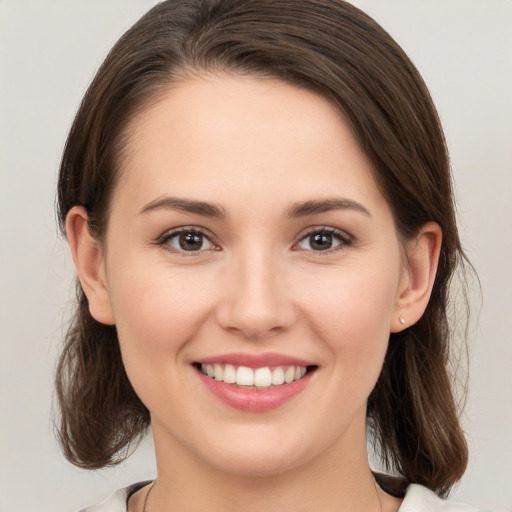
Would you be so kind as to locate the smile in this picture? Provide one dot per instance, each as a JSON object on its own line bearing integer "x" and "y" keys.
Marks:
{"x": 255, "y": 383}
{"x": 256, "y": 378}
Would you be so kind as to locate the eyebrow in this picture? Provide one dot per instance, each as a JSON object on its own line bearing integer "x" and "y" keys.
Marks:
{"x": 325, "y": 205}
{"x": 187, "y": 206}
{"x": 302, "y": 209}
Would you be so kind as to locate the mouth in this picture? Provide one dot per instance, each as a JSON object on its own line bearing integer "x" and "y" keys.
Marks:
{"x": 260, "y": 378}
{"x": 255, "y": 383}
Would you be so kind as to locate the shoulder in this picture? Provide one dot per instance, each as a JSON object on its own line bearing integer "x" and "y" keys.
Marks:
{"x": 118, "y": 501}
{"x": 420, "y": 499}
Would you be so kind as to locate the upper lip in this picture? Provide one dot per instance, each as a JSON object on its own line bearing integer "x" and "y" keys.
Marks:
{"x": 255, "y": 360}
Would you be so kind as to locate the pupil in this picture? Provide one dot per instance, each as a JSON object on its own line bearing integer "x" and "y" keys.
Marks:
{"x": 191, "y": 241}
{"x": 321, "y": 241}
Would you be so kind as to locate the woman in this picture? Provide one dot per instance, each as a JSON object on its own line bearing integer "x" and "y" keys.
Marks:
{"x": 257, "y": 199}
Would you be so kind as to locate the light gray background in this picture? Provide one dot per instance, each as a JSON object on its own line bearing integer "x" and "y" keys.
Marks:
{"x": 49, "y": 50}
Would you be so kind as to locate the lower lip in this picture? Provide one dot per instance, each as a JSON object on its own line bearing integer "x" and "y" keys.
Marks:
{"x": 254, "y": 400}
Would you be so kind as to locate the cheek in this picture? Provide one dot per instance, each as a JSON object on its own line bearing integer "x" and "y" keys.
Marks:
{"x": 350, "y": 311}
{"x": 156, "y": 312}
{"x": 153, "y": 304}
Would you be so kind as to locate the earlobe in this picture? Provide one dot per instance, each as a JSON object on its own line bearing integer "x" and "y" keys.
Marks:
{"x": 88, "y": 257}
{"x": 420, "y": 272}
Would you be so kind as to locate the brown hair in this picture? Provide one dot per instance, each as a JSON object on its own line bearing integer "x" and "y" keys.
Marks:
{"x": 332, "y": 48}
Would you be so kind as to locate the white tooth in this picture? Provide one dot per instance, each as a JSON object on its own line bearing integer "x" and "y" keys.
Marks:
{"x": 203, "y": 369}
{"x": 209, "y": 370}
{"x": 218, "y": 372}
{"x": 263, "y": 377}
{"x": 297, "y": 373}
{"x": 229, "y": 374}
{"x": 289, "y": 374}
{"x": 278, "y": 376}
{"x": 244, "y": 376}
{"x": 303, "y": 371}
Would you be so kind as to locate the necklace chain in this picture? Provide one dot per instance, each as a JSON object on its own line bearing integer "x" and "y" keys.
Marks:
{"x": 147, "y": 496}
{"x": 153, "y": 484}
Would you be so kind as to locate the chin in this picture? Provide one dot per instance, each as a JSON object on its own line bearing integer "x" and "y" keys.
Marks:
{"x": 257, "y": 454}
{"x": 257, "y": 465}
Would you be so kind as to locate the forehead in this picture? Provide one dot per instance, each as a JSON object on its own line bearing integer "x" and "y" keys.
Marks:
{"x": 220, "y": 133}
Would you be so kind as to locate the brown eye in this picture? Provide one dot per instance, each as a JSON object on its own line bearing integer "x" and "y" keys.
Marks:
{"x": 191, "y": 242}
{"x": 324, "y": 240}
{"x": 188, "y": 241}
{"x": 321, "y": 241}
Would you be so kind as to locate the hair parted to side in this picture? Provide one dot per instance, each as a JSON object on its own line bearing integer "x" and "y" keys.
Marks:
{"x": 329, "y": 47}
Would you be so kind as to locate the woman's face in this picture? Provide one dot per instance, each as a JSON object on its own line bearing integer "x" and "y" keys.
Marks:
{"x": 247, "y": 236}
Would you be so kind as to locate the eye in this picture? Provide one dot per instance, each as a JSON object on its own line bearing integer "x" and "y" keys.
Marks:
{"x": 187, "y": 240}
{"x": 323, "y": 240}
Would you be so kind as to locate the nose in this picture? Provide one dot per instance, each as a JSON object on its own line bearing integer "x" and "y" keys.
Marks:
{"x": 256, "y": 302}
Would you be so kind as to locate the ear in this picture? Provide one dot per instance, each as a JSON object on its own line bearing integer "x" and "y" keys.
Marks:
{"x": 418, "y": 278}
{"x": 88, "y": 256}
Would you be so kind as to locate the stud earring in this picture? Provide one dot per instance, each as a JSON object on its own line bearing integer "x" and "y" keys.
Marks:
{"x": 402, "y": 320}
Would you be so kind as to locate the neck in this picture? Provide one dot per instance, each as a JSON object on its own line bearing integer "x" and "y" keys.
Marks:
{"x": 337, "y": 479}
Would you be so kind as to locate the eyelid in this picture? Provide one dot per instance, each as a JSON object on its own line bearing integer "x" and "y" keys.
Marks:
{"x": 163, "y": 239}
{"x": 345, "y": 239}
{"x": 342, "y": 236}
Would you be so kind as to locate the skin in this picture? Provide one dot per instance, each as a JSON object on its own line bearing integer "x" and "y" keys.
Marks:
{"x": 254, "y": 148}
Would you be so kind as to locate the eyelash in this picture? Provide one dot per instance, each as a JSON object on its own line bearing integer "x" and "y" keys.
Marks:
{"x": 344, "y": 240}
{"x": 167, "y": 237}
